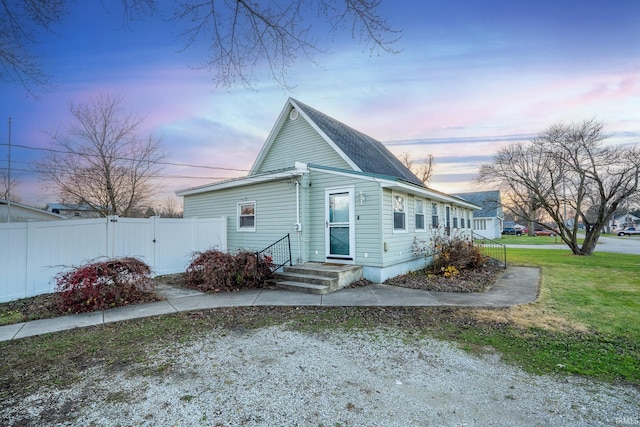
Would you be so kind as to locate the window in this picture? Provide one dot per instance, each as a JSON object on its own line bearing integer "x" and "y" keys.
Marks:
{"x": 468, "y": 220}
{"x": 419, "y": 214}
{"x": 398, "y": 212}
{"x": 434, "y": 215}
{"x": 455, "y": 222}
{"x": 247, "y": 216}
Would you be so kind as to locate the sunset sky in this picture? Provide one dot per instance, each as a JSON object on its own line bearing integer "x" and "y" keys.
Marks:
{"x": 470, "y": 77}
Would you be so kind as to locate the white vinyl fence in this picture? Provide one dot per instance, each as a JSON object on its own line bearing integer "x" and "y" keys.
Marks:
{"x": 33, "y": 253}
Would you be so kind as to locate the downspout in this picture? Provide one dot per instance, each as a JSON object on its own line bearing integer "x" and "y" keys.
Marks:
{"x": 298, "y": 227}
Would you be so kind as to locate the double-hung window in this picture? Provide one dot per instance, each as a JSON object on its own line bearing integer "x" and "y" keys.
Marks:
{"x": 399, "y": 212}
{"x": 420, "y": 214}
{"x": 247, "y": 216}
{"x": 434, "y": 215}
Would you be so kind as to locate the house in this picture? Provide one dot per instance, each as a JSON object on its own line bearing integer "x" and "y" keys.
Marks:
{"x": 76, "y": 211}
{"x": 341, "y": 195}
{"x": 488, "y": 222}
{"x": 622, "y": 221}
{"x": 22, "y": 213}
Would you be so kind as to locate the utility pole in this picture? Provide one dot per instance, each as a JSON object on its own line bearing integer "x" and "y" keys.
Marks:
{"x": 9, "y": 177}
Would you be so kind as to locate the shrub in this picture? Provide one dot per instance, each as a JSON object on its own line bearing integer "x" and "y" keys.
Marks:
{"x": 449, "y": 254}
{"x": 103, "y": 285}
{"x": 217, "y": 271}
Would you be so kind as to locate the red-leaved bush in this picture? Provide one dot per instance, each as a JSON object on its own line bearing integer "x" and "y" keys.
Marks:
{"x": 216, "y": 271}
{"x": 103, "y": 285}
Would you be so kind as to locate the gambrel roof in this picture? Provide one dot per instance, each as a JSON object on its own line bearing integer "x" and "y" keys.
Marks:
{"x": 360, "y": 151}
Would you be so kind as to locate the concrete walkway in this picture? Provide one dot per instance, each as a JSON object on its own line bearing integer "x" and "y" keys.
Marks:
{"x": 518, "y": 285}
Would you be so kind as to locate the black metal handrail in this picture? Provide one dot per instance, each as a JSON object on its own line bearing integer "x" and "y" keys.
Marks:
{"x": 276, "y": 254}
{"x": 494, "y": 250}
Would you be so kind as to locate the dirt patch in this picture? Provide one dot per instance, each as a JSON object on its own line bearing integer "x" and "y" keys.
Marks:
{"x": 176, "y": 279}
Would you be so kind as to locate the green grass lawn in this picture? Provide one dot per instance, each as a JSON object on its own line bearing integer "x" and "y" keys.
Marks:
{"x": 601, "y": 291}
{"x": 531, "y": 240}
{"x": 594, "y": 304}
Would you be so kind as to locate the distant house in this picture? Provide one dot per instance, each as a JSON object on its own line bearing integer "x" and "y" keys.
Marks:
{"x": 72, "y": 210}
{"x": 488, "y": 221}
{"x": 622, "y": 221}
{"x": 341, "y": 195}
{"x": 22, "y": 213}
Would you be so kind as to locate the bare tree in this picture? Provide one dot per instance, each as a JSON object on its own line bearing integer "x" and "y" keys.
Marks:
{"x": 423, "y": 170}
{"x": 241, "y": 36}
{"x": 100, "y": 160}
{"x": 20, "y": 24}
{"x": 170, "y": 208}
{"x": 567, "y": 175}
{"x": 7, "y": 188}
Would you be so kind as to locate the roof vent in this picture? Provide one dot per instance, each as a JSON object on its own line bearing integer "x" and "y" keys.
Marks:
{"x": 293, "y": 114}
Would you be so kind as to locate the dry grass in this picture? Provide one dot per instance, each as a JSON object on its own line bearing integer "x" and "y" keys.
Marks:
{"x": 528, "y": 316}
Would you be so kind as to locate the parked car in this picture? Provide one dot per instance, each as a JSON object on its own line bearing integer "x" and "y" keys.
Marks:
{"x": 629, "y": 231}
{"x": 544, "y": 232}
{"x": 512, "y": 231}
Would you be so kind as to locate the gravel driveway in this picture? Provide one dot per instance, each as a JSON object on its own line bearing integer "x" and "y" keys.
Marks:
{"x": 277, "y": 377}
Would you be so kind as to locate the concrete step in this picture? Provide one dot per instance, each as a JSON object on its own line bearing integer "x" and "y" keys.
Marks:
{"x": 308, "y": 288}
{"x": 307, "y": 277}
{"x": 317, "y": 278}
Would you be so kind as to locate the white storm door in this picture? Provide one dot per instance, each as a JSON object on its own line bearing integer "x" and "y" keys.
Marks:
{"x": 339, "y": 224}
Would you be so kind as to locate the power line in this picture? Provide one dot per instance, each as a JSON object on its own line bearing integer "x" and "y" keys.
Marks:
{"x": 52, "y": 150}
{"x": 80, "y": 175}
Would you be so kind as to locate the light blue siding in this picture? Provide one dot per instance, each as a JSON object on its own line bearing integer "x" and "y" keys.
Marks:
{"x": 297, "y": 141}
{"x": 367, "y": 219}
{"x": 275, "y": 213}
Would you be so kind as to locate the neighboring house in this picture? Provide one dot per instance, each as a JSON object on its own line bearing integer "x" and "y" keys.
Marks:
{"x": 488, "y": 221}
{"x": 622, "y": 221}
{"x": 72, "y": 210}
{"x": 22, "y": 213}
{"x": 342, "y": 196}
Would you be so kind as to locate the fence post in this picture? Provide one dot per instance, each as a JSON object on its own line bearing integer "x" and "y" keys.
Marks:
{"x": 112, "y": 221}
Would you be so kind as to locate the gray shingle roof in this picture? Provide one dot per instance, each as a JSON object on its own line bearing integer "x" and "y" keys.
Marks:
{"x": 367, "y": 153}
{"x": 488, "y": 200}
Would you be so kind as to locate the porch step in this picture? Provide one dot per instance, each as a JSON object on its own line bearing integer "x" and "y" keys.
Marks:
{"x": 308, "y": 288}
{"x": 317, "y": 278}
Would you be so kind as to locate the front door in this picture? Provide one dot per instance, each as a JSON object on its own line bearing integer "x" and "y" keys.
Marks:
{"x": 339, "y": 232}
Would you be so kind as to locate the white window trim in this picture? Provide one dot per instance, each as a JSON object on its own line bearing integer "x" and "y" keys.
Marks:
{"x": 431, "y": 202}
{"x": 393, "y": 212}
{"x": 255, "y": 217}
{"x": 424, "y": 215}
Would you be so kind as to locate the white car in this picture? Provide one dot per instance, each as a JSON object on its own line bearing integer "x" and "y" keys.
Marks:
{"x": 629, "y": 231}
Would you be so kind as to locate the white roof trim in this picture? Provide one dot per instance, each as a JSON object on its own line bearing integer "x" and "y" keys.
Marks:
{"x": 241, "y": 182}
{"x": 428, "y": 193}
{"x": 325, "y": 137}
{"x": 407, "y": 188}
{"x": 276, "y": 130}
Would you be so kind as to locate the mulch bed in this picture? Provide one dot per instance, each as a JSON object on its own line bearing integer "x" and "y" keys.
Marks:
{"x": 476, "y": 280}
